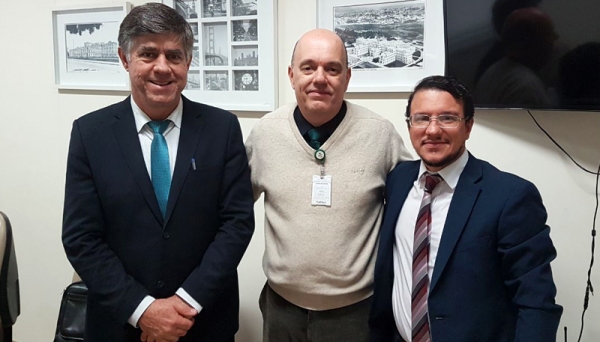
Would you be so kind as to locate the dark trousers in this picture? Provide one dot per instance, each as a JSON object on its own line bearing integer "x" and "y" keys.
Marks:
{"x": 286, "y": 322}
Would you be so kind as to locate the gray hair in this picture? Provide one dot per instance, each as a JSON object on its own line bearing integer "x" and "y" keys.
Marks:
{"x": 155, "y": 18}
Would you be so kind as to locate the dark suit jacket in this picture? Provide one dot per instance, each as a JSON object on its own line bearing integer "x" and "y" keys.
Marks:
{"x": 115, "y": 236}
{"x": 492, "y": 279}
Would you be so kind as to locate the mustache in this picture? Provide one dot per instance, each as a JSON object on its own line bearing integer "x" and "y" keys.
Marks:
{"x": 433, "y": 141}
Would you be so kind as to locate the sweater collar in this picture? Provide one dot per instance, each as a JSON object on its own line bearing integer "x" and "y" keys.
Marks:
{"x": 325, "y": 129}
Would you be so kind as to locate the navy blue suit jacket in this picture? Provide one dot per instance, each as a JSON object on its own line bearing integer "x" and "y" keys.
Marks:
{"x": 117, "y": 240}
{"x": 492, "y": 279}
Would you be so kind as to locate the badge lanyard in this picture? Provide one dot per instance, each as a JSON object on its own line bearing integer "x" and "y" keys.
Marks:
{"x": 321, "y": 189}
{"x": 320, "y": 157}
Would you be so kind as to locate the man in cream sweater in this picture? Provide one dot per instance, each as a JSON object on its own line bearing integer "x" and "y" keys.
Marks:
{"x": 321, "y": 164}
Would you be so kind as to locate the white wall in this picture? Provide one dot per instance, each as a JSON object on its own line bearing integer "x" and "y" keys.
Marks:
{"x": 35, "y": 126}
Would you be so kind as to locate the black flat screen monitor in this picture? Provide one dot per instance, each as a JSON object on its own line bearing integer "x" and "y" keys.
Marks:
{"x": 532, "y": 54}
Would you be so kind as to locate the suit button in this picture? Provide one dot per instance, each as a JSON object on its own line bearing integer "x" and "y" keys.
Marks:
{"x": 166, "y": 236}
{"x": 160, "y": 284}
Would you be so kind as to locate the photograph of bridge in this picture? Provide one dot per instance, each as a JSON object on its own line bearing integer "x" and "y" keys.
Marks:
{"x": 384, "y": 35}
{"x": 214, "y": 41}
{"x": 92, "y": 47}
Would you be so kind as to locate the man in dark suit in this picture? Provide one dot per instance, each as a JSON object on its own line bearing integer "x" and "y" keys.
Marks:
{"x": 158, "y": 202}
{"x": 467, "y": 259}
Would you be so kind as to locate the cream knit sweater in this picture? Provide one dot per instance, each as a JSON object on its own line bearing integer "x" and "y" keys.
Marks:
{"x": 318, "y": 257}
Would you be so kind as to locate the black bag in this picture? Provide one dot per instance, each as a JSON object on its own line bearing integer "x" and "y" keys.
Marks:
{"x": 71, "y": 317}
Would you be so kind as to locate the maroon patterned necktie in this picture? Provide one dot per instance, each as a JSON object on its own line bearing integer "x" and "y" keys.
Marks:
{"x": 420, "y": 288}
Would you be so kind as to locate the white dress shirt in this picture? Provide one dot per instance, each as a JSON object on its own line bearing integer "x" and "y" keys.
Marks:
{"x": 404, "y": 237}
{"x": 146, "y": 135}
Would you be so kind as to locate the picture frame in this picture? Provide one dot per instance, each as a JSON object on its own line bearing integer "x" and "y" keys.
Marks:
{"x": 391, "y": 44}
{"x": 234, "y": 56}
{"x": 85, "y": 47}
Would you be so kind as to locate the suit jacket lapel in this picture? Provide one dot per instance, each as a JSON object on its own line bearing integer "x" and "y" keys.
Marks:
{"x": 127, "y": 137}
{"x": 397, "y": 196}
{"x": 463, "y": 201}
{"x": 394, "y": 202}
{"x": 191, "y": 127}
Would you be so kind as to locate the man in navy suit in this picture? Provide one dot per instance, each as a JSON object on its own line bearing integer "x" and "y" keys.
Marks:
{"x": 489, "y": 249}
{"x": 158, "y": 251}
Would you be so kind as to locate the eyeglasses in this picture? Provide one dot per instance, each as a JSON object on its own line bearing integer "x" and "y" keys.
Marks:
{"x": 443, "y": 121}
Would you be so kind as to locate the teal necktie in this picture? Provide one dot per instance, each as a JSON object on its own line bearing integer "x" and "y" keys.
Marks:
{"x": 161, "y": 169}
{"x": 315, "y": 138}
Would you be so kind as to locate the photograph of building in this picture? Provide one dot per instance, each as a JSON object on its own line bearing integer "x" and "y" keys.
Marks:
{"x": 244, "y": 7}
{"x": 195, "y": 57}
{"x": 187, "y": 8}
{"x": 216, "y": 80}
{"x": 386, "y": 35}
{"x": 214, "y": 8}
{"x": 92, "y": 47}
{"x": 194, "y": 27}
{"x": 193, "y": 80}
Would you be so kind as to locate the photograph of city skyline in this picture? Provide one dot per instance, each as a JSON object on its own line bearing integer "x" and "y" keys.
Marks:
{"x": 385, "y": 35}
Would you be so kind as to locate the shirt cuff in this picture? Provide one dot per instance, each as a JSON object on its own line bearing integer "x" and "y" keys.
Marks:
{"x": 188, "y": 299}
{"x": 137, "y": 314}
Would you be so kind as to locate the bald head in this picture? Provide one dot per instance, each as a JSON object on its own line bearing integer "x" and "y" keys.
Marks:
{"x": 319, "y": 75}
{"x": 321, "y": 34}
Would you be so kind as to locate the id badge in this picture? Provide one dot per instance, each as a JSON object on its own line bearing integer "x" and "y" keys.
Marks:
{"x": 321, "y": 190}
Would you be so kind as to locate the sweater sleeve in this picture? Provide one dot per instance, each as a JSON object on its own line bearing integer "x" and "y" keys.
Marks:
{"x": 251, "y": 143}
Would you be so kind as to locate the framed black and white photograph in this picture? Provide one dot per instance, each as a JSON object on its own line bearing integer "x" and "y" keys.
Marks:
{"x": 195, "y": 30}
{"x": 245, "y": 55}
{"x": 244, "y": 7}
{"x": 85, "y": 48}
{"x": 187, "y": 8}
{"x": 214, "y": 44}
{"x": 195, "y": 57}
{"x": 244, "y": 30}
{"x": 391, "y": 45}
{"x": 193, "y": 80}
{"x": 245, "y": 80}
{"x": 216, "y": 80}
{"x": 214, "y": 8}
{"x": 234, "y": 44}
